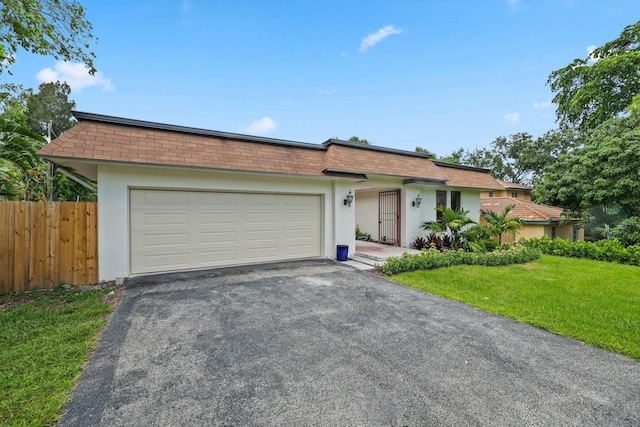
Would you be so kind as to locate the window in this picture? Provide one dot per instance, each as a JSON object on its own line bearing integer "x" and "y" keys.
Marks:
{"x": 441, "y": 200}
{"x": 575, "y": 234}
{"x": 553, "y": 232}
{"x": 514, "y": 194}
{"x": 490, "y": 193}
{"x": 455, "y": 200}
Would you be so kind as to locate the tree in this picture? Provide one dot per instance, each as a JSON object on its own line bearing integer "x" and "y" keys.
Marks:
{"x": 604, "y": 171}
{"x": 424, "y": 150}
{"x": 358, "y": 140}
{"x": 21, "y": 176}
{"x": 455, "y": 223}
{"x": 58, "y": 28}
{"x": 50, "y": 105}
{"x": 600, "y": 87}
{"x": 518, "y": 158}
{"x": 501, "y": 223}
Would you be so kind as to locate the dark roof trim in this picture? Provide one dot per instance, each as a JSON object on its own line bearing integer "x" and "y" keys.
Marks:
{"x": 423, "y": 181}
{"x": 191, "y": 130}
{"x": 457, "y": 166}
{"x": 334, "y": 141}
{"x": 511, "y": 187}
{"x": 358, "y": 176}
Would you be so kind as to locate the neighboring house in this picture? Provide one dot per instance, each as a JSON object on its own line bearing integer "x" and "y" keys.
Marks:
{"x": 176, "y": 198}
{"x": 539, "y": 220}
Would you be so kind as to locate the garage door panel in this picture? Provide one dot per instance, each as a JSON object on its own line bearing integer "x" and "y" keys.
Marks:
{"x": 261, "y": 254}
{"x": 222, "y": 200}
{"x": 223, "y": 237}
{"x": 218, "y": 218}
{"x": 174, "y": 230}
{"x": 161, "y": 198}
{"x": 170, "y": 261}
{"x": 259, "y": 236}
{"x": 219, "y": 256}
{"x": 164, "y": 239}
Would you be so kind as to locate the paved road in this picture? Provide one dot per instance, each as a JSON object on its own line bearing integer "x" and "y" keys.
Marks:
{"x": 319, "y": 343}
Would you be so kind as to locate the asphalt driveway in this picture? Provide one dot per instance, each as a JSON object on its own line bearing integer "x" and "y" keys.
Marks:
{"x": 319, "y": 343}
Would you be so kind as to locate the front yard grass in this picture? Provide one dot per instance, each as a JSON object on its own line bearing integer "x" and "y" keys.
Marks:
{"x": 45, "y": 339}
{"x": 590, "y": 301}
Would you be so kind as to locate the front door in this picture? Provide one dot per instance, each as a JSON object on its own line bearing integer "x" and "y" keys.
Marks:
{"x": 389, "y": 217}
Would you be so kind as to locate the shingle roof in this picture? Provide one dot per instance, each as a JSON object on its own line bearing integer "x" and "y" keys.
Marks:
{"x": 525, "y": 209}
{"x": 468, "y": 177}
{"x": 353, "y": 159}
{"x": 131, "y": 144}
{"x": 98, "y": 138}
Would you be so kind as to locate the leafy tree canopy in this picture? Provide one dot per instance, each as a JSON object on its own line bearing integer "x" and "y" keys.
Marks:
{"x": 58, "y": 28}
{"x": 604, "y": 171}
{"x": 518, "y": 158}
{"x": 50, "y": 105}
{"x": 424, "y": 150}
{"x": 599, "y": 87}
{"x": 358, "y": 140}
{"x": 23, "y": 176}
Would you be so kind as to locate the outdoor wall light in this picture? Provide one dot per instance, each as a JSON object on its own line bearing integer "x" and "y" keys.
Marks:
{"x": 417, "y": 201}
{"x": 349, "y": 199}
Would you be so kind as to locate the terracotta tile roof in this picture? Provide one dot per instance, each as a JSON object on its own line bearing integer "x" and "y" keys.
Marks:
{"x": 525, "y": 209}
{"x": 114, "y": 142}
{"x": 468, "y": 177}
{"x": 345, "y": 158}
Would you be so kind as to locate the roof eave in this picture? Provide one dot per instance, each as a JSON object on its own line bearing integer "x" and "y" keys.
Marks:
{"x": 192, "y": 130}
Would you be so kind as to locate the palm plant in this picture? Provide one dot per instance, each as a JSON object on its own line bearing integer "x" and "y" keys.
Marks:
{"x": 500, "y": 223}
{"x": 455, "y": 223}
{"x": 19, "y": 165}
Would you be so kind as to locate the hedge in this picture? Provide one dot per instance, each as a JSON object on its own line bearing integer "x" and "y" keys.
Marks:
{"x": 602, "y": 250}
{"x": 432, "y": 258}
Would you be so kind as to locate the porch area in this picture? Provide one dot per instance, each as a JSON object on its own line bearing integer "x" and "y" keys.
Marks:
{"x": 369, "y": 255}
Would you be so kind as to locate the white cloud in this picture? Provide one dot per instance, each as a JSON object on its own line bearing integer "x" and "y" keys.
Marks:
{"x": 75, "y": 75}
{"x": 375, "y": 38}
{"x": 543, "y": 104}
{"x": 512, "y": 117}
{"x": 186, "y": 6}
{"x": 327, "y": 91}
{"x": 514, "y": 4}
{"x": 262, "y": 126}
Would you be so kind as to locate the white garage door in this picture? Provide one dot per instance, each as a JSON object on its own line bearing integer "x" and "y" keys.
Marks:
{"x": 178, "y": 230}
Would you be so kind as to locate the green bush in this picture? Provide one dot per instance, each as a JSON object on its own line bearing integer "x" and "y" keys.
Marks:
{"x": 432, "y": 258}
{"x": 602, "y": 250}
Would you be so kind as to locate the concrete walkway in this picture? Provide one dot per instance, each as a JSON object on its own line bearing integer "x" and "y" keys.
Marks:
{"x": 369, "y": 255}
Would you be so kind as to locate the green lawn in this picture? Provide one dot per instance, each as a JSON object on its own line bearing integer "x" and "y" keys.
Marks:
{"x": 591, "y": 301}
{"x": 45, "y": 339}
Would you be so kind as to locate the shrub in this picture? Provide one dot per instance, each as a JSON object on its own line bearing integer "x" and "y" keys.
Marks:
{"x": 362, "y": 235}
{"x": 432, "y": 258}
{"x": 420, "y": 243}
{"x": 602, "y": 250}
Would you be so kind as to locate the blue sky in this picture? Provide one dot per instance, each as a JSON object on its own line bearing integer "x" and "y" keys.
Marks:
{"x": 440, "y": 74}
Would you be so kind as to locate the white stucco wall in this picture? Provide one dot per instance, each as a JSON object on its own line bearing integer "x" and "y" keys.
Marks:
{"x": 113, "y": 207}
{"x": 367, "y": 212}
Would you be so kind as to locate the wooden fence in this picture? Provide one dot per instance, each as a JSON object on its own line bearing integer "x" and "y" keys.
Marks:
{"x": 43, "y": 245}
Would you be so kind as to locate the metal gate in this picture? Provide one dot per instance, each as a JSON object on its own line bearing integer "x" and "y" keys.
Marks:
{"x": 389, "y": 217}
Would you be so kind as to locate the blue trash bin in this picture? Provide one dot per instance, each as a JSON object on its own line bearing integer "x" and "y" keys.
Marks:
{"x": 342, "y": 252}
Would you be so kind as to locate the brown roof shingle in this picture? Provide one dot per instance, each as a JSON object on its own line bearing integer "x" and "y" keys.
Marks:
{"x": 343, "y": 158}
{"x": 113, "y": 142}
{"x": 467, "y": 177}
{"x": 99, "y": 138}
